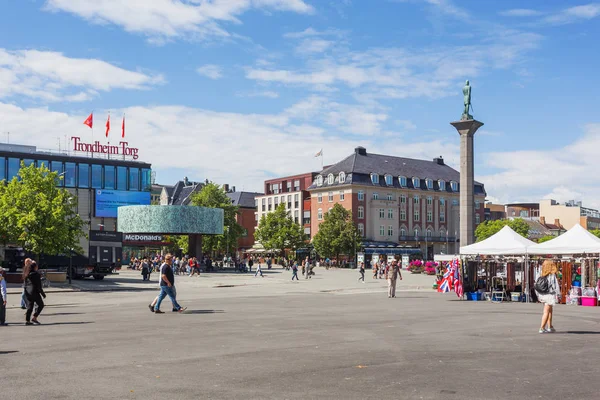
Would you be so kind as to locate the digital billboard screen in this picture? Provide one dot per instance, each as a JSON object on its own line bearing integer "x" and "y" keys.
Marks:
{"x": 107, "y": 201}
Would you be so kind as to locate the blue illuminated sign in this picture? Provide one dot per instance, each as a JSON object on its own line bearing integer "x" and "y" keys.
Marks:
{"x": 107, "y": 201}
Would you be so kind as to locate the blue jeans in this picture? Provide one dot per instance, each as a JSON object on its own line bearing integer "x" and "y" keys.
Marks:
{"x": 164, "y": 292}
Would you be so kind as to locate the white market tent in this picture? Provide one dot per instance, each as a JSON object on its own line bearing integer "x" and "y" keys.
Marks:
{"x": 576, "y": 240}
{"x": 505, "y": 242}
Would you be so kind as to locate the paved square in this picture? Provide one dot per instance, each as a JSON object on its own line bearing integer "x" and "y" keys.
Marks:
{"x": 330, "y": 337}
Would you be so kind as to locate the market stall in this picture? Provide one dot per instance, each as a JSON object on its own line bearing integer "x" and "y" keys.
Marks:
{"x": 577, "y": 252}
{"x": 497, "y": 267}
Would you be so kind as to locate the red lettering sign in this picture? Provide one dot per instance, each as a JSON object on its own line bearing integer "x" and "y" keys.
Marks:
{"x": 122, "y": 149}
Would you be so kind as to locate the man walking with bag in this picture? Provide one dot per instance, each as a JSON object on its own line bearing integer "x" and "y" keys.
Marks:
{"x": 391, "y": 274}
{"x": 167, "y": 286}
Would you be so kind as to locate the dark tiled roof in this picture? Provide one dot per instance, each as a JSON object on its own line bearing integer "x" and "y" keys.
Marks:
{"x": 243, "y": 199}
{"x": 358, "y": 169}
{"x": 181, "y": 195}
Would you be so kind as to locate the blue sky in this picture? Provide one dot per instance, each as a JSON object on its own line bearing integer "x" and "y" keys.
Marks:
{"x": 239, "y": 91}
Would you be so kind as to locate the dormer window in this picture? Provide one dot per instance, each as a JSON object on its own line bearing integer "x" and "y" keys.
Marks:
{"x": 416, "y": 183}
{"x": 320, "y": 180}
{"x": 330, "y": 179}
{"x": 342, "y": 177}
{"x": 402, "y": 180}
{"x": 375, "y": 179}
{"x": 442, "y": 185}
{"x": 429, "y": 183}
{"x": 454, "y": 186}
{"x": 389, "y": 180}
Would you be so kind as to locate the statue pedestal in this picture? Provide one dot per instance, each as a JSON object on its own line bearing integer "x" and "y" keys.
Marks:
{"x": 466, "y": 129}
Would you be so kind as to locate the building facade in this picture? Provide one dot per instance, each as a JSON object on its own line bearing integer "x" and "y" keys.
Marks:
{"x": 246, "y": 216}
{"x": 98, "y": 183}
{"x": 395, "y": 201}
{"x": 291, "y": 191}
{"x": 569, "y": 214}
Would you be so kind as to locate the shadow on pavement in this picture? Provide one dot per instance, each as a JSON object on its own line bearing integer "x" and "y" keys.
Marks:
{"x": 583, "y": 332}
{"x": 203, "y": 311}
{"x": 8, "y": 352}
{"x": 65, "y": 323}
{"x": 62, "y": 313}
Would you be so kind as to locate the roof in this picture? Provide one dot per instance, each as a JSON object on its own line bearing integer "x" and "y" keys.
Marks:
{"x": 576, "y": 240}
{"x": 243, "y": 199}
{"x": 359, "y": 166}
{"x": 180, "y": 194}
{"x": 504, "y": 242}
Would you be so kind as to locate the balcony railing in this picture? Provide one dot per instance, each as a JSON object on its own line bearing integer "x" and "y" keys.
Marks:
{"x": 432, "y": 239}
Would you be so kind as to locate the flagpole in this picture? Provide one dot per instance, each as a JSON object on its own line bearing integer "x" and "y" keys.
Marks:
{"x": 92, "y": 132}
{"x": 321, "y": 159}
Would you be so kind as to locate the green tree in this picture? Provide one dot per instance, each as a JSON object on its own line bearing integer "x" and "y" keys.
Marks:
{"x": 337, "y": 234}
{"x": 38, "y": 215}
{"x": 277, "y": 230}
{"x": 214, "y": 196}
{"x": 490, "y": 228}
{"x": 545, "y": 238}
{"x": 595, "y": 232}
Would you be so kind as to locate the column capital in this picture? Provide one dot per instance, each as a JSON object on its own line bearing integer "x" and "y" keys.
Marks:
{"x": 467, "y": 127}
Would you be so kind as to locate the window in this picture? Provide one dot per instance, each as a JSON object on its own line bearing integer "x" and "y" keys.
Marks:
{"x": 146, "y": 179}
{"x": 416, "y": 199}
{"x": 289, "y": 201}
{"x": 283, "y": 199}
{"x": 390, "y": 213}
{"x": 389, "y": 180}
{"x": 45, "y": 163}
{"x": 361, "y": 212}
{"x": 361, "y": 230}
{"x": 381, "y": 230}
{"x": 28, "y": 162}
{"x": 442, "y": 202}
{"x": 429, "y": 200}
{"x": 416, "y": 183}
{"x": 275, "y": 189}
{"x": 442, "y": 216}
{"x": 442, "y": 233}
{"x": 390, "y": 230}
{"x": 329, "y": 209}
{"x": 109, "y": 177}
{"x": 2, "y": 168}
{"x": 429, "y": 183}
{"x": 270, "y": 201}
{"x": 296, "y": 200}
{"x": 84, "y": 175}
{"x": 402, "y": 180}
{"x": 375, "y": 196}
{"x": 342, "y": 196}
{"x": 381, "y": 213}
{"x": 289, "y": 186}
{"x": 477, "y": 219}
{"x": 477, "y": 205}
{"x": 403, "y": 215}
{"x": 330, "y": 197}
{"x": 134, "y": 179}
{"x": 429, "y": 216}
{"x": 320, "y": 180}
{"x": 361, "y": 195}
{"x": 402, "y": 232}
{"x": 375, "y": 179}
{"x": 296, "y": 185}
{"x": 97, "y": 176}
{"x": 264, "y": 201}
{"x": 428, "y": 233}
{"x": 320, "y": 214}
{"x": 342, "y": 177}
{"x": 390, "y": 197}
{"x": 320, "y": 198}
{"x": 330, "y": 179}
{"x": 70, "y": 170}
{"x": 296, "y": 216}
{"x": 442, "y": 185}
{"x": 402, "y": 199}
{"x": 455, "y": 202}
{"x": 256, "y": 217}
{"x": 121, "y": 178}
{"x": 416, "y": 216}
{"x": 454, "y": 186}
{"x": 276, "y": 201}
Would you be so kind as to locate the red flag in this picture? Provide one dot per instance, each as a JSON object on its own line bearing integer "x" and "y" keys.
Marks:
{"x": 89, "y": 120}
{"x": 107, "y": 125}
{"x": 123, "y": 127}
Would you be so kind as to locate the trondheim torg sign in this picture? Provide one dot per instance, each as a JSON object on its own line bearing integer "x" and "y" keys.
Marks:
{"x": 96, "y": 147}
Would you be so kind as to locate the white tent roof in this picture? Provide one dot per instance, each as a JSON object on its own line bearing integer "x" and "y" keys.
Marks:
{"x": 505, "y": 242}
{"x": 576, "y": 240}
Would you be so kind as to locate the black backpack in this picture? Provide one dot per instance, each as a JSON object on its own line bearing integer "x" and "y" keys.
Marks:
{"x": 542, "y": 285}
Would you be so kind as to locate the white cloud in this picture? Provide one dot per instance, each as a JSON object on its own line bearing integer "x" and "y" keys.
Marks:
{"x": 534, "y": 174}
{"x": 308, "y": 46}
{"x": 311, "y": 32}
{"x": 290, "y": 138}
{"x": 520, "y": 12}
{"x": 210, "y": 71}
{"x": 169, "y": 19}
{"x": 574, "y": 14}
{"x": 447, "y": 7}
{"x": 51, "y": 76}
{"x": 266, "y": 93}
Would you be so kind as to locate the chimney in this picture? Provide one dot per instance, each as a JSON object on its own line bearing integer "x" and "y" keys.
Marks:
{"x": 439, "y": 160}
{"x": 557, "y": 222}
{"x": 233, "y": 189}
{"x": 361, "y": 151}
{"x": 226, "y": 188}
{"x": 543, "y": 220}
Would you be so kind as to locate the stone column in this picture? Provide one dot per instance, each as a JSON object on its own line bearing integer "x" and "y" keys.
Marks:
{"x": 195, "y": 245}
{"x": 466, "y": 129}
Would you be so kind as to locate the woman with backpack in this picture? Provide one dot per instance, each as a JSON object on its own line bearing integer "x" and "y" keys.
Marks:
{"x": 548, "y": 293}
